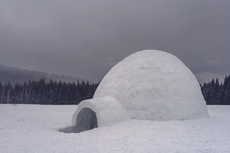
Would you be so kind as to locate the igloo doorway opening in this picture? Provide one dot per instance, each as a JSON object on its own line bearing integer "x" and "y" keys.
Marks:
{"x": 86, "y": 120}
{"x": 92, "y": 113}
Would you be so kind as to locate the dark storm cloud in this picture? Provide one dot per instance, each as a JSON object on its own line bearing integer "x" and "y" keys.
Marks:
{"x": 86, "y": 38}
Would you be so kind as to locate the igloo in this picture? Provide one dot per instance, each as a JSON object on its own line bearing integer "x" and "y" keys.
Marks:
{"x": 147, "y": 85}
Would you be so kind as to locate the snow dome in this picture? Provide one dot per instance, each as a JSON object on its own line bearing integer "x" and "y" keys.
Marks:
{"x": 149, "y": 84}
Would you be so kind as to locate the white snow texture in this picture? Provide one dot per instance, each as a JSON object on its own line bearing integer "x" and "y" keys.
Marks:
{"x": 108, "y": 110}
{"x": 34, "y": 129}
{"x": 154, "y": 85}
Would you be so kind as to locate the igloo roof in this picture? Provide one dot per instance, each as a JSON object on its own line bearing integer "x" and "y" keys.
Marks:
{"x": 154, "y": 85}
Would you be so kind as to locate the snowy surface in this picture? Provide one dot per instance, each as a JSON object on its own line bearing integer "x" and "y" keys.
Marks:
{"x": 154, "y": 85}
{"x": 34, "y": 129}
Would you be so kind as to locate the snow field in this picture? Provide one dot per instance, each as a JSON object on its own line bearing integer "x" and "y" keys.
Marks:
{"x": 34, "y": 129}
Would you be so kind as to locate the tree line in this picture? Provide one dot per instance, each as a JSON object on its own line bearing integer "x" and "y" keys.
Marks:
{"x": 50, "y": 93}
{"x": 216, "y": 93}
{"x": 62, "y": 93}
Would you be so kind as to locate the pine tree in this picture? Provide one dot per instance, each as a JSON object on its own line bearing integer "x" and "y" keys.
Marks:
{"x": 42, "y": 92}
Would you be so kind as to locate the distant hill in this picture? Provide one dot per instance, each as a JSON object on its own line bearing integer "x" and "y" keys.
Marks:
{"x": 17, "y": 75}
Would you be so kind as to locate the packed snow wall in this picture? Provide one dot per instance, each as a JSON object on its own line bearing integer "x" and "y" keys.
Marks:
{"x": 154, "y": 85}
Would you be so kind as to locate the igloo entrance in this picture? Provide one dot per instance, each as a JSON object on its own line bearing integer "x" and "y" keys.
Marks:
{"x": 93, "y": 113}
{"x": 86, "y": 120}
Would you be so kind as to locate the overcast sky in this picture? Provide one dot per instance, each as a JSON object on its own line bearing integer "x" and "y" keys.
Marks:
{"x": 85, "y": 38}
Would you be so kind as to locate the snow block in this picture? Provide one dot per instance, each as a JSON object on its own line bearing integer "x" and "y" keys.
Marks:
{"x": 153, "y": 85}
{"x": 98, "y": 112}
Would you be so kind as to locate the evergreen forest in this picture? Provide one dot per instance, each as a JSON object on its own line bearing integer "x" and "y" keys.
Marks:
{"x": 50, "y": 93}
{"x": 217, "y": 93}
{"x": 62, "y": 93}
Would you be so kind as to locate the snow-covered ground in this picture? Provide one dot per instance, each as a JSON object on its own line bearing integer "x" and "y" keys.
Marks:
{"x": 34, "y": 129}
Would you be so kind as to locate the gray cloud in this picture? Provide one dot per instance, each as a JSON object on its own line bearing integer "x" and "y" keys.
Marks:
{"x": 86, "y": 38}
